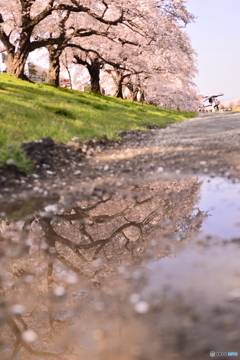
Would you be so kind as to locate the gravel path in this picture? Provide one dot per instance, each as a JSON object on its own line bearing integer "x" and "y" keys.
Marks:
{"x": 208, "y": 144}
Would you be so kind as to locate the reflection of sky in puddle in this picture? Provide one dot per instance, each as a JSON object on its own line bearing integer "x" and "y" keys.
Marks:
{"x": 222, "y": 200}
{"x": 210, "y": 271}
{"x": 208, "y": 275}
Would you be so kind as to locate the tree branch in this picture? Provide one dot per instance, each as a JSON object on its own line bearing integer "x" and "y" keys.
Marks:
{"x": 5, "y": 39}
{"x": 84, "y": 62}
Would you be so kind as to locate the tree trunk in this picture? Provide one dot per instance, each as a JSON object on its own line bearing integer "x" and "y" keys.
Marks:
{"x": 69, "y": 76}
{"x": 54, "y": 66}
{"x": 54, "y": 73}
{"x": 118, "y": 79}
{"x": 135, "y": 95}
{"x": 119, "y": 92}
{"x": 94, "y": 71}
{"x": 16, "y": 64}
{"x": 142, "y": 96}
{"x": 130, "y": 88}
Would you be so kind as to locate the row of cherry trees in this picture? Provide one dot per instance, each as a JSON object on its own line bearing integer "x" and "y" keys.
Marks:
{"x": 140, "y": 45}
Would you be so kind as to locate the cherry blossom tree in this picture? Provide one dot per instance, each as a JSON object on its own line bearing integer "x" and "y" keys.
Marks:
{"x": 72, "y": 27}
{"x": 98, "y": 44}
{"x": 142, "y": 45}
{"x": 19, "y": 29}
{"x": 161, "y": 69}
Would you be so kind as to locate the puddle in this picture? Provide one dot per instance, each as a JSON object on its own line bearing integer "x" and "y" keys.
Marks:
{"x": 222, "y": 199}
{"x": 207, "y": 275}
{"x": 148, "y": 272}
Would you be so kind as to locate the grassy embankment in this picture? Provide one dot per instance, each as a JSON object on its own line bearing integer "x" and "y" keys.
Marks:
{"x": 33, "y": 111}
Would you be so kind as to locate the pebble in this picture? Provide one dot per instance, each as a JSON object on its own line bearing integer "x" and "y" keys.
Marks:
{"x": 52, "y": 250}
{"x": 10, "y": 162}
{"x": 99, "y": 306}
{"x": 106, "y": 168}
{"x": 36, "y": 188}
{"x": 141, "y": 307}
{"x": 35, "y": 176}
{"x": 51, "y": 208}
{"x": 75, "y": 138}
{"x": 28, "y": 279}
{"x": 30, "y": 241}
{"x": 71, "y": 279}
{"x": 77, "y": 172}
{"x": 59, "y": 291}
{"x": 17, "y": 309}
{"x": 134, "y": 298}
{"x": 29, "y": 336}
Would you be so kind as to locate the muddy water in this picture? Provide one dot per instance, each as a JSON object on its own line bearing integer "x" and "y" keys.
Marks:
{"x": 150, "y": 271}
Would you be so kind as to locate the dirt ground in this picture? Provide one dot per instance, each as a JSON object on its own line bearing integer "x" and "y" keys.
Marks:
{"x": 128, "y": 206}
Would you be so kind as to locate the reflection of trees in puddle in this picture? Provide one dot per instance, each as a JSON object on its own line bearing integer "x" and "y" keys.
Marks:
{"x": 51, "y": 264}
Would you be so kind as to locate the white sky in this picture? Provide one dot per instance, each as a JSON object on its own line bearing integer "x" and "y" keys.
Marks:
{"x": 215, "y": 37}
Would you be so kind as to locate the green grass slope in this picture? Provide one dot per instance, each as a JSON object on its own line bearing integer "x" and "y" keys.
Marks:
{"x": 32, "y": 111}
